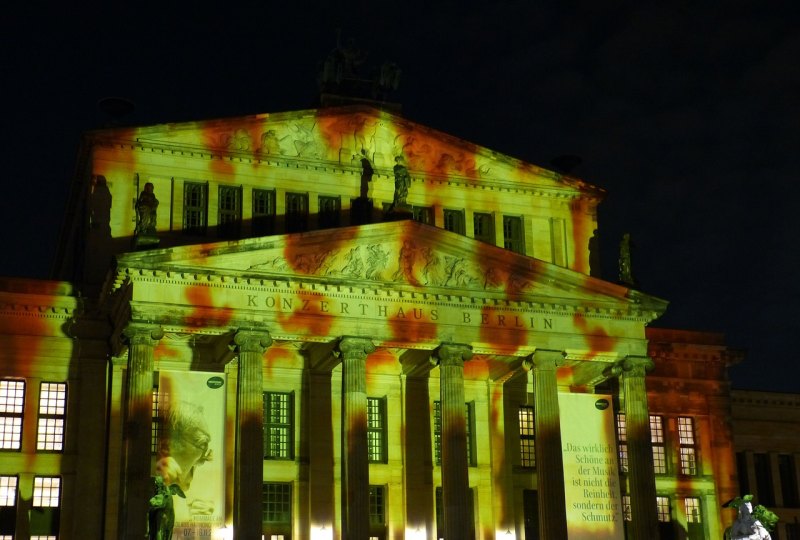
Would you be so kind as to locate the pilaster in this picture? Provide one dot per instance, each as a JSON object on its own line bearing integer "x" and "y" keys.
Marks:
{"x": 142, "y": 340}
{"x": 355, "y": 464}
{"x": 250, "y": 347}
{"x": 455, "y": 472}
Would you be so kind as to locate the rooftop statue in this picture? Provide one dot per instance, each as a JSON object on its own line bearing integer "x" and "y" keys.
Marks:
{"x": 625, "y": 272}
{"x": 146, "y": 216}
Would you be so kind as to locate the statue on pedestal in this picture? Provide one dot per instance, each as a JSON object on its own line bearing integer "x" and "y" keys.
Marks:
{"x": 751, "y": 523}
{"x": 625, "y": 272}
{"x": 400, "y": 209}
{"x": 146, "y": 214}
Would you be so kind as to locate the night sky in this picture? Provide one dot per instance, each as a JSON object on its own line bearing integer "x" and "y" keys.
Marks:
{"x": 688, "y": 114}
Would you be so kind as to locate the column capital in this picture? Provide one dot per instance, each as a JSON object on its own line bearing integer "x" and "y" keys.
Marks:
{"x": 255, "y": 341}
{"x": 355, "y": 346}
{"x": 142, "y": 334}
{"x": 544, "y": 360}
{"x": 636, "y": 366}
{"x": 451, "y": 354}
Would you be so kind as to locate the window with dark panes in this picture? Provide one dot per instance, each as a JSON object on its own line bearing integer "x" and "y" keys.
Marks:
{"x": 296, "y": 212}
{"x": 230, "y": 211}
{"x": 483, "y": 225}
{"x": 512, "y": 234}
{"x": 454, "y": 221}
{"x": 263, "y": 212}
{"x": 330, "y": 209}
{"x": 278, "y": 425}
{"x": 195, "y": 201}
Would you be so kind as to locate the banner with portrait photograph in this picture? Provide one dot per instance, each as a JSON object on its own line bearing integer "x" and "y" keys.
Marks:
{"x": 190, "y": 425}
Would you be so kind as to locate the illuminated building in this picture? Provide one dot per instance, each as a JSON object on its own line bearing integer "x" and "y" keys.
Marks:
{"x": 325, "y": 373}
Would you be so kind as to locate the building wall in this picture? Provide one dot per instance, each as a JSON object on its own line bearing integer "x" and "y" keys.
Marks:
{"x": 767, "y": 441}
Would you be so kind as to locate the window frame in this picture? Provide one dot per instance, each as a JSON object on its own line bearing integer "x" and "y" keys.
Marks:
{"x": 43, "y": 432}
{"x": 377, "y": 415}
{"x": 198, "y": 211}
{"x": 455, "y": 221}
{"x": 296, "y": 216}
{"x": 622, "y": 441}
{"x": 263, "y": 216}
{"x": 658, "y": 442}
{"x": 11, "y": 439}
{"x": 423, "y": 214}
{"x": 286, "y": 428}
{"x": 687, "y": 446}
{"x": 329, "y": 218}
{"x": 514, "y": 234}
{"x": 286, "y": 503}
{"x": 478, "y": 231}
{"x": 469, "y": 431}
{"x": 229, "y": 220}
{"x": 527, "y": 436}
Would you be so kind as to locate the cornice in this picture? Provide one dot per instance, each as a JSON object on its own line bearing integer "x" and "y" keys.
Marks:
{"x": 567, "y": 192}
{"x": 374, "y": 290}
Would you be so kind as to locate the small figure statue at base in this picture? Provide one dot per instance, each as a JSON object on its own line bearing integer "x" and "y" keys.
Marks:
{"x": 161, "y": 515}
{"x": 366, "y": 174}
{"x": 748, "y": 524}
{"x": 146, "y": 216}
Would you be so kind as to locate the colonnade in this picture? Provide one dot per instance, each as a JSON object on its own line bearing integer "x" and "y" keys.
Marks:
{"x": 250, "y": 345}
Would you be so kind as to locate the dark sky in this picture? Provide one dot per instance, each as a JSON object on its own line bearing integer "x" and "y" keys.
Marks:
{"x": 688, "y": 113}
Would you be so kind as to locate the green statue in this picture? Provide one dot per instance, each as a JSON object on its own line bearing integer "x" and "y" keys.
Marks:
{"x": 161, "y": 514}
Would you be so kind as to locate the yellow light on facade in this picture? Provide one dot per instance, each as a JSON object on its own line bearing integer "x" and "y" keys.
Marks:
{"x": 322, "y": 532}
{"x": 418, "y": 533}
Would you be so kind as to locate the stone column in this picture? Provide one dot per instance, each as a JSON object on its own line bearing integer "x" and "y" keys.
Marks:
{"x": 455, "y": 472}
{"x": 250, "y": 347}
{"x": 549, "y": 459}
{"x": 641, "y": 475}
{"x": 142, "y": 339}
{"x": 355, "y": 464}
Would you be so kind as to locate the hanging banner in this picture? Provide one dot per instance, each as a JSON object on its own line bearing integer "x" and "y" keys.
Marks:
{"x": 591, "y": 474}
{"x": 191, "y": 434}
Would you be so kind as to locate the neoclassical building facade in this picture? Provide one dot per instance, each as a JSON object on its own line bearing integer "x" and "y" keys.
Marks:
{"x": 338, "y": 323}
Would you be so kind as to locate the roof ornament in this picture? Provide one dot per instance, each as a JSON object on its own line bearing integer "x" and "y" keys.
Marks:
{"x": 625, "y": 272}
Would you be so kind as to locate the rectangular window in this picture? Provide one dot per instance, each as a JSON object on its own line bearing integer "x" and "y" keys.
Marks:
{"x": 454, "y": 221}
{"x": 195, "y": 205}
{"x": 622, "y": 437}
{"x": 788, "y": 476}
{"x": 296, "y": 212}
{"x": 230, "y": 212}
{"x": 741, "y": 472}
{"x": 512, "y": 234}
{"x": 662, "y": 505}
{"x": 377, "y": 506}
{"x": 52, "y": 417}
{"x": 278, "y": 424}
{"x": 8, "y": 506}
{"x": 276, "y": 503}
{"x": 376, "y": 430}
{"x": 484, "y": 227}
{"x": 330, "y": 209}
{"x": 423, "y": 214}
{"x": 155, "y": 423}
{"x": 44, "y": 519}
{"x": 263, "y": 212}
{"x": 659, "y": 448}
{"x": 686, "y": 441}
{"x": 627, "y": 514}
{"x": 12, "y": 401}
{"x": 437, "y": 433}
{"x": 527, "y": 439}
{"x": 694, "y": 519}
{"x": 765, "y": 488}
{"x": 46, "y": 491}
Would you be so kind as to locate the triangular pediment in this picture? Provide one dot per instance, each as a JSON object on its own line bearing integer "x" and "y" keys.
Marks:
{"x": 338, "y": 136}
{"x": 401, "y": 255}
